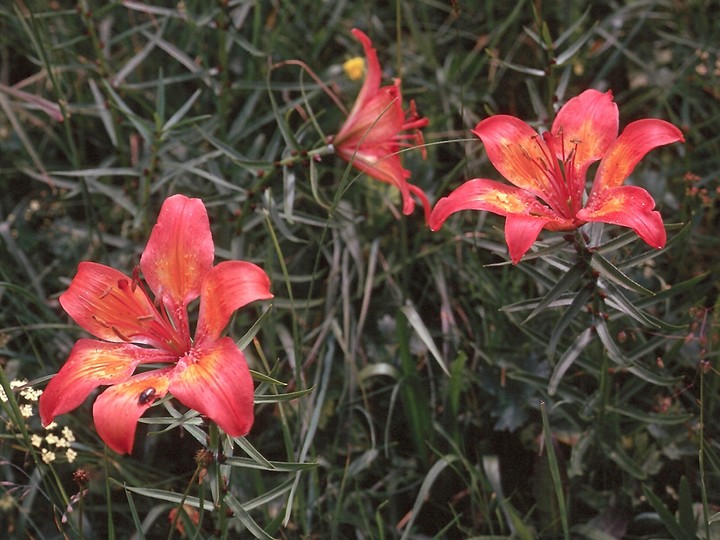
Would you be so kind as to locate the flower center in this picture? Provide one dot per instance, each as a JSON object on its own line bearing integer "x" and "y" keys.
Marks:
{"x": 558, "y": 168}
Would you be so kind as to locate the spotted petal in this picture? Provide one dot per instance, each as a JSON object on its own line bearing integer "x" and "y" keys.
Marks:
{"x": 116, "y": 411}
{"x": 495, "y": 197}
{"x": 526, "y": 217}
{"x": 636, "y": 140}
{"x": 109, "y": 305}
{"x": 229, "y": 286}
{"x": 178, "y": 255}
{"x": 214, "y": 379}
{"x": 91, "y": 364}
{"x": 587, "y": 125}
{"x": 519, "y": 154}
{"x": 629, "y": 206}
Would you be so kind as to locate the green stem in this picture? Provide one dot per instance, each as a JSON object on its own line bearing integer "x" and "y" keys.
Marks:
{"x": 215, "y": 446}
{"x": 108, "y": 498}
{"x": 555, "y": 471}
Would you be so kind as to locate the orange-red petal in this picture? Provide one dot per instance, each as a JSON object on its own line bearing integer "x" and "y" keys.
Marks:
{"x": 91, "y": 364}
{"x": 214, "y": 379}
{"x": 377, "y": 123}
{"x": 629, "y": 206}
{"x": 521, "y": 231}
{"x": 371, "y": 136}
{"x": 227, "y": 287}
{"x": 495, "y": 197}
{"x": 636, "y": 140}
{"x": 180, "y": 251}
{"x": 116, "y": 411}
{"x": 521, "y": 156}
{"x": 110, "y": 306}
{"x": 587, "y": 125}
{"x": 372, "y": 79}
{"x": 526, "y": 217}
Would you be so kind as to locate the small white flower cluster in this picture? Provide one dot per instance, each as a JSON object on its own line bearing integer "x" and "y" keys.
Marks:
{"x": 51, "y": 442}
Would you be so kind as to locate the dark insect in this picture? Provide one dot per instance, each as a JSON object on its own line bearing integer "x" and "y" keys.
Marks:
{"x": 146, "y": 395}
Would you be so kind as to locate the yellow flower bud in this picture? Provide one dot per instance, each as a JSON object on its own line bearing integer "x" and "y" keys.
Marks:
{"x": 354, "y": 68}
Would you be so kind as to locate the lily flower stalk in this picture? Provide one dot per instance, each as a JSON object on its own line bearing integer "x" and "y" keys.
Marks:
{"x": 377, "y": 128}
{"x": 548, "y": 173}
{"x": 207, "y": 372}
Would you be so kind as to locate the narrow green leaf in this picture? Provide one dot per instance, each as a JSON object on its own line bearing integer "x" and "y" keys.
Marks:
{"x": 625, "y": 462}
{"x": 160, "y": 99}
{"x": 531, "y": 303}
{"x": 413, "y": 394}
{"x": 176, "y": 498}
{"x": 135, "y": 515}
{"x": 102, "y": 109}
{"x": 650, "y": 418}
{"x": 269, "y": 495}
{"x": 567, "y": 359}
{"x": 244, "y": 341}
{"x": 423, "y": 333}
{"x": 569, "y": 279}
{"x": 280, "y": 398}
{"x": 181, "y": 112}
{"x": 568, "y": 53}
{"x": 517, "y": 67}
{"x": 275, "y": 466}
{"x": 651, "y": 377}
{"x": 424, "y": 492}
{"x": 611, "y": 272}
{"x": 686, "y": 516}
{"x": 555, "y": 471}
{"x": 251, "y": 451}
{"x": 136, "y": 121}
{"x": 230, "y": 152}
{"x": 256, "y": 375}
{"x": 671, "y": 524}
{"x": 615, "y": 298}
{"x": 571, "y": 30}
{"x": 577, "y": 305}
{"x": 613, "y": 351}
{"x": 256, "y": 530}
{"x": 281, "y": 121}
{"x": 455, "y": 385}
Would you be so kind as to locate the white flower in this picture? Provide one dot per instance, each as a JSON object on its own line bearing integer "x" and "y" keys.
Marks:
{"x": 68, "y": 434}
{"x": 26, "y": 410}
{"x": 62, "y": 442}
{"x": 70, "y": 454}
{"x": 51, "y": 438}
{"x": 36, "y": 440}
{"x": 47, "y": 456}
{"x": 31, "y": 394}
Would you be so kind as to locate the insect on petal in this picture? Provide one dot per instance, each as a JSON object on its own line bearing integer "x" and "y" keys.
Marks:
{"x": 117, "y": 410}
{"x": 91, "y": 364}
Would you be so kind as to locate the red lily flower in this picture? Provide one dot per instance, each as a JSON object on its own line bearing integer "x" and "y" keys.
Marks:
{"x": 377, "y": 127}
{"x": 548, "y": 173}
{"x": 208, "y": 373}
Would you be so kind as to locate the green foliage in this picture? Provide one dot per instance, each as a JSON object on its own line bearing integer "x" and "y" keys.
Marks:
{"x": 406, "y": 381}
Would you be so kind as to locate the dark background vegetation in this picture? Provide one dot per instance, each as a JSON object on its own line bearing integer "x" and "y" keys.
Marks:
{"x": 363, "y": 294}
